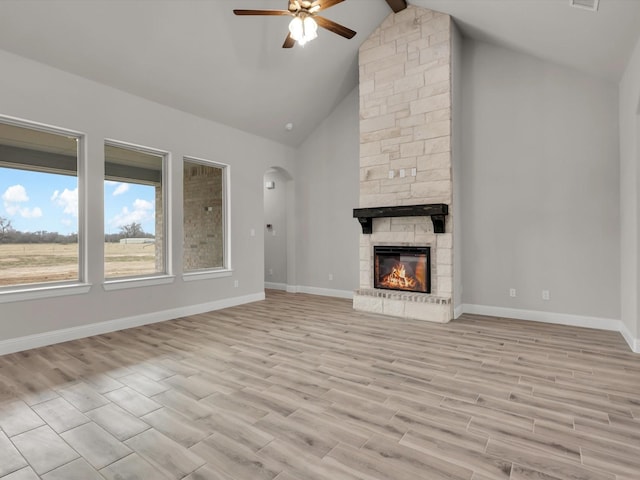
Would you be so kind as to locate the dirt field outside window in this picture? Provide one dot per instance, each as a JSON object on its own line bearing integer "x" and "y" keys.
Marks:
{"x": 26, "y": 263}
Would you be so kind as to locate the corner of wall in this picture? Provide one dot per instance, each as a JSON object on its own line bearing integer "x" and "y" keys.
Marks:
{"x": 456, "y": 162}
{"x": 629, "y": 137}
{"x": 558, "y": 319}
{"x": 634, "y": 343}
{"x": 326, "y": 190}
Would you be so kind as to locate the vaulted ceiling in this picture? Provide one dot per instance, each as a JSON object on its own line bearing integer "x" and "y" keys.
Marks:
{"x": 196, "y": 56}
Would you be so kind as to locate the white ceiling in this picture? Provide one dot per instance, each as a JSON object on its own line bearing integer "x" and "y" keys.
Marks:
{"x": 195, "y": 55}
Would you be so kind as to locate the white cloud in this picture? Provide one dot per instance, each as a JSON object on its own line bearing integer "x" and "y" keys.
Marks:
{"x": 142, "y": 211}
{"x": 139, "y": 204}
{"x": 68, "y": 200}
{"x": 120, "y": 189}
{"x": 13, "y": 197}
{"x": 24, "y": 212}
{"x": 11, "y": 208}
{"x": 15, "y": 194}
{"x": 31, "y": 212}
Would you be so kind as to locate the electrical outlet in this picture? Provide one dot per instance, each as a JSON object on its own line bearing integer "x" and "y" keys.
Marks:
{"x": 236, "y": 283}
{"x": 331, "y": 276}
{"x": 512, "y": 292}
{"x": 271, "y": 271}
{"x": 252, "y": 232}
{"x": 402, "y": 173}
{"x": 414, "y": 172}
{"x": 391, "y": 174}
{"x": 545, "y": 294}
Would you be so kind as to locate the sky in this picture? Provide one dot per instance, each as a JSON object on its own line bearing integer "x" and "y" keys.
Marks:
{"x": 36, "y": 201}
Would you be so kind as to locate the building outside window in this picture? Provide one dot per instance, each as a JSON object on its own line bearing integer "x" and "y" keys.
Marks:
{"x": 205, "y": 212}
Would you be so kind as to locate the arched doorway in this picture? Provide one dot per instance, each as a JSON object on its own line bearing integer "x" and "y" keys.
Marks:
{"x": 278, "y": 191}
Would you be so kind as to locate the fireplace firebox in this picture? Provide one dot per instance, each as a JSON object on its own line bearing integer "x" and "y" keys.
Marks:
{"x": 402, "y": 268}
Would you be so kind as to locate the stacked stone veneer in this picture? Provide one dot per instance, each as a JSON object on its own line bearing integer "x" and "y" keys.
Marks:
{"x": 405, "y": 123}
{"x": 203, "y": 228}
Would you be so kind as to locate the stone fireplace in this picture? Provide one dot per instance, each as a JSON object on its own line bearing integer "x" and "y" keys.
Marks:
{"x": 406, "y": 161}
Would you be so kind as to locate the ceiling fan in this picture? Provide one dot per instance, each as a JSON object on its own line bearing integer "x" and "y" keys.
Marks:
{"x": 304, "y": 25}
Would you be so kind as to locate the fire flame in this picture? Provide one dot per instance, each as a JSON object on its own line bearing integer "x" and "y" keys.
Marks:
{"x": 398, "y": 278}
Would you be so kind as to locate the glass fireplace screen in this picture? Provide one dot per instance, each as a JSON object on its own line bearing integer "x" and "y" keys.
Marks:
{"x": 402, "y": 268}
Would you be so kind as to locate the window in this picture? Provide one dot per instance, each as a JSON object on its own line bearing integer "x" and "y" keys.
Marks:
{"x": 205, "y": 216}
{"x": 39, "y": 228}
{"x": 134, "y": 200}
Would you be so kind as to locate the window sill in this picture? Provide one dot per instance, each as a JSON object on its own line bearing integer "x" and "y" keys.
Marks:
{"x": 124, "y": 283}
{"x": 206, "y": 275}
{"x": 43, "y": 291}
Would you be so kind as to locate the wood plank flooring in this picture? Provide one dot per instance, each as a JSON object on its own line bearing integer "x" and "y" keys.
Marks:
{"x": 300, "y": 387}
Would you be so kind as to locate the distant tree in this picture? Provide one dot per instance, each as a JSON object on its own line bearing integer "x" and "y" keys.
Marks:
{"x": 5, "y": 228}
{"x": 132, "y": 230}
{"x": 112, "y": 237}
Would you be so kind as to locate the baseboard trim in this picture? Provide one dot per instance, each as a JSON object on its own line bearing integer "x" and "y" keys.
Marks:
{"x": 546, "y": 317}
{"x": 634, "y": 343}
{"x": 58, "y": 336}
{"x": 275, "y": 286}
{"x": 64, "y": 335}
{"x": 325, "y": 292}
{"x": 557, "y": 318}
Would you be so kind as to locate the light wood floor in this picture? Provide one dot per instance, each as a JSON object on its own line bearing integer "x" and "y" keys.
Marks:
{"x": 302, "y": 387}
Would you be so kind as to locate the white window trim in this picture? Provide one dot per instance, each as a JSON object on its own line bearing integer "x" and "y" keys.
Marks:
{"x": 16, "y": 293}
{"x": 134, "y": 282}
{"x": 42, "y": 290}
{"x": 166, "y": 276}
{"x": 226, "y": 270}
{"x": 206, "y": 274}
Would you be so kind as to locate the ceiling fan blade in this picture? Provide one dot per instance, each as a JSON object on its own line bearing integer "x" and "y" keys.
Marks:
{"x": 397, "y": 5}
{"x": 288, "y": 42}
{"x": 334, "y": 27}
{"x": 320, "y": 5}
{"x": 262, "y": 12}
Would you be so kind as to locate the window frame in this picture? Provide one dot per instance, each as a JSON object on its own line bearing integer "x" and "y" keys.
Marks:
{"x": 158, "y": 278}
{"x": 32, "y": 291}
{"x": 226, "y": 270}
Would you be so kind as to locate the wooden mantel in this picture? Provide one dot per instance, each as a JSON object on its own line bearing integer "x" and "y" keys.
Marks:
{"x": 437, "y": 212}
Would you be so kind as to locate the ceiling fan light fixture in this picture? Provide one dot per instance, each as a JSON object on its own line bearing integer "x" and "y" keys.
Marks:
{"x": 304, "y": 25}
{"x": 303, "y": 30}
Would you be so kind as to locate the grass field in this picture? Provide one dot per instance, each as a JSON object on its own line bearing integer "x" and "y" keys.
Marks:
{"x": 25, "y": 263}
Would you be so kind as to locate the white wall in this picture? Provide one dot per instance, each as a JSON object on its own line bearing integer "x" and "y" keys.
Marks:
{"x": 457, "y": 136}
{"x": 541, "y": 179}
{"x": 629, "y": 106}
{"x": 275, "y": 239}
{"x": 326, "y": 192}
{"x": 37, "y": 92}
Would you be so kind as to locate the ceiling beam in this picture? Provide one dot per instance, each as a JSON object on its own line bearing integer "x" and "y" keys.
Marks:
{"x": 397, "y": 5}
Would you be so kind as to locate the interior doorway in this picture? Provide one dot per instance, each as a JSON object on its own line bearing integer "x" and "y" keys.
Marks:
{"x": 277, "y": 185}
